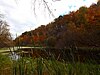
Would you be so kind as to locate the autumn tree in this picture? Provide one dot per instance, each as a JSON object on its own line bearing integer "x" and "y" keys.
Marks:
{"x": 77, "y": 29}
{"x": 51, "y": 41}
{"x": 98, "y": 3}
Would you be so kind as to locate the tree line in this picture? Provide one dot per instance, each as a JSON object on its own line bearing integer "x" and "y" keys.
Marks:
{"x": 80, "y": 28}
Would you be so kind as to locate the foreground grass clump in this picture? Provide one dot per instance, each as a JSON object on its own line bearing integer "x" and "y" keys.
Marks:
{"x": 40, "y": 66}
{"x": 5, "y": 65}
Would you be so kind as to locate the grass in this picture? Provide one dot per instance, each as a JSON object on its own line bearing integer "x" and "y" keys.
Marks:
{"x": 5, "y": 65}
{"x": 41, "y": 66}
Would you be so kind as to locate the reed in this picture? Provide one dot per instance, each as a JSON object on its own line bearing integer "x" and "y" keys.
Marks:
{"x": 41, "y": 66}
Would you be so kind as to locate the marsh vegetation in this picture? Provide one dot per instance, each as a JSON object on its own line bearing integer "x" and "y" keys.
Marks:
{"x": 70, "y": 45}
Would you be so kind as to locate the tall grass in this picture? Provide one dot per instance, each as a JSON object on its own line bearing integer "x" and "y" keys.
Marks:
{"x": 5, "y": 65}
{"x": 41, "y": 66}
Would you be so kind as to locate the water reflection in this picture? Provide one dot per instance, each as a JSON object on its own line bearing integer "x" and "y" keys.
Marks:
{"x": 14, "y": 56}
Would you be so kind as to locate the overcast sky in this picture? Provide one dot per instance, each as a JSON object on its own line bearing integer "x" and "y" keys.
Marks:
{"x": 20, "y": 15}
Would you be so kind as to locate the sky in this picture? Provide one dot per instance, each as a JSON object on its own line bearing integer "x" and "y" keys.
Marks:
{"x": 21, "y": 17}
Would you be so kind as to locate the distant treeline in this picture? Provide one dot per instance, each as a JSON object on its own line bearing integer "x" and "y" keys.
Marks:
{"x": 80, "y": 28}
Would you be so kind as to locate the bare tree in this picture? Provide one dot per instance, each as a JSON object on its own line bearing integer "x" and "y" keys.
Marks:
{"x": 5, "y": 36}
{"x": 43, "y": 4}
